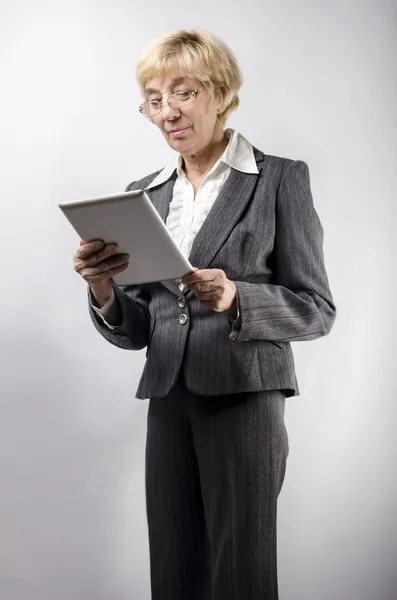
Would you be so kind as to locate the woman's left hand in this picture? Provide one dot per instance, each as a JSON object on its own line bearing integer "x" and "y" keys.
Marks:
{"x": 213, "y": 289}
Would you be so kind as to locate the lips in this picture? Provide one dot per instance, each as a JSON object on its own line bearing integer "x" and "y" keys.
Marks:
{"x": 176, "y": 133}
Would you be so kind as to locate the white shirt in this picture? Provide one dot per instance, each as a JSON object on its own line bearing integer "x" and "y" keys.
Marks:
{"x": 187, "y": 213}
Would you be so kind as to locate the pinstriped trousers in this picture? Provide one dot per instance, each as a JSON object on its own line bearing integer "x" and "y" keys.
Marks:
{"x": 215, "y": 466}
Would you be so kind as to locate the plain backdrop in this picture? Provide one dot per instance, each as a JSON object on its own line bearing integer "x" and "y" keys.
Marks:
{"x": 320, "y": 86}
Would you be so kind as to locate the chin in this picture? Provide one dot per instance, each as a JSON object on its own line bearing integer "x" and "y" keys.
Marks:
{"x": 179, "y": 143}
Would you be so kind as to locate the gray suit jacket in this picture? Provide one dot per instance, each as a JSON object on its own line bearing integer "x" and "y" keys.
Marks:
{"x": 264, "y": 232}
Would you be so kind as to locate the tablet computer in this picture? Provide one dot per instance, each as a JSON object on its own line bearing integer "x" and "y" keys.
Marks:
{"x": 130, "y": 220}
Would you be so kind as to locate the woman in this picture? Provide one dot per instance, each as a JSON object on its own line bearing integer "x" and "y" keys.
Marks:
{"x": 219, "y": 361}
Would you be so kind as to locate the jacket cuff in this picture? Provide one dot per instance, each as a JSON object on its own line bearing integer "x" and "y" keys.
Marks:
{"x": 236, "y": 323}
{"x": 110, "y": 314}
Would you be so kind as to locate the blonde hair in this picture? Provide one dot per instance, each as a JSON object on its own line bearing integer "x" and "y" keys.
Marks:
{"x": 197, "y": 54}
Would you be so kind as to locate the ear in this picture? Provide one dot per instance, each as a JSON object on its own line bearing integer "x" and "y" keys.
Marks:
{"x": 219, "y": 113}
{"x": 221, "y": 105}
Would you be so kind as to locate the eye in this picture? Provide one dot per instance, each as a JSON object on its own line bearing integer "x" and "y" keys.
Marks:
{"x": 183, "y": 95}
{"x": 153, "y": 102}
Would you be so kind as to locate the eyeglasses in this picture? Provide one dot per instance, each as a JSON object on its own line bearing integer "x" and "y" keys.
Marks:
{"x": 177, "y": 100}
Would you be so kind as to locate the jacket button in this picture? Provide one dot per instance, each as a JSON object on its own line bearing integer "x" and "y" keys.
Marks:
{"x": 182, "y": 302}
{"x": 183, "y": 319}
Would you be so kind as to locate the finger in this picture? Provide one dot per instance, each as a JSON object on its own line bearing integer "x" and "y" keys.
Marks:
{"x": 106, "y": 265}
{"x": 205, "y": 288}
{"x": 83, "y": 242}
{"x": 209, "y": 296}
{"x": 99, "y": 279}
{"x": 97, "y": 257}
{"x": 206, "y": 273}
{"x": 202, "y": 274}
{"x": 102, "y": 268}
{"x": 199, "y": 275}
{"x": 87, "y": 248}
{"x": 190, "y": 284}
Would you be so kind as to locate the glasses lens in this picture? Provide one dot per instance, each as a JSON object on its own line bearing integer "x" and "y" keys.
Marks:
{"x": 148, "y": 109}
{"x": 177, "y": 100}
{"x": 153, "y": 108}
{"x": 180, "y": 99}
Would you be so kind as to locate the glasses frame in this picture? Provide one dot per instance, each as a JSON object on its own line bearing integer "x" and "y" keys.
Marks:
{"x": 194, "y": 92}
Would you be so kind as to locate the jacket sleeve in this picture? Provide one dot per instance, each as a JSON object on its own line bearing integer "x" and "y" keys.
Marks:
{"x": 131, "y": 302}
{"x": 298, "y": 306}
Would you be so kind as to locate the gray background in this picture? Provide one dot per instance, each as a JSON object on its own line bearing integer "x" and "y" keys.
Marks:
{"x": 72, "y": 435}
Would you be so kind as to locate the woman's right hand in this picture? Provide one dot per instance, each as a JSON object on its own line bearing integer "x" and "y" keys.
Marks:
{"x": 97, "y": 263}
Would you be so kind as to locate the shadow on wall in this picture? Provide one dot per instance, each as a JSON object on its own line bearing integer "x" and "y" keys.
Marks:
{"x": 72, "y": 501}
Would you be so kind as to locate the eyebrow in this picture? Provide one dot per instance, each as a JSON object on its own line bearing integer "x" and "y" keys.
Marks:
{"x": 174, "y": 82}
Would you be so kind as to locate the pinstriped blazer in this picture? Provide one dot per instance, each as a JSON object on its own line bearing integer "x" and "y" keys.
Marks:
{"x": 264, "y": 232}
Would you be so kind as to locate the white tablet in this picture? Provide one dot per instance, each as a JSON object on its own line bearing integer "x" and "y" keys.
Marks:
{"x": 130, "y": 220}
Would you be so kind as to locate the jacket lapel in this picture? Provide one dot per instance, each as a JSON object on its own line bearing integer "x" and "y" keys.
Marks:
{"x": 161, "y": 197}
{"x": 223, "y": 216}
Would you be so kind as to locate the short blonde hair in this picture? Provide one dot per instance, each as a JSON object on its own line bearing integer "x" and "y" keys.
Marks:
{"x": 199, "y": 55}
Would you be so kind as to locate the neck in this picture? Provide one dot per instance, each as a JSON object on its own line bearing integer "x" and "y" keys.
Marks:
{"x": 197, "y": 164}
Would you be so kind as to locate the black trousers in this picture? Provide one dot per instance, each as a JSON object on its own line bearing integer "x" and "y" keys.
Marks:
{"x": 215, "y": 466}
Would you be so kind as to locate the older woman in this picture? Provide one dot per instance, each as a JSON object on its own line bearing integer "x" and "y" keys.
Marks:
{"x": 219, "y": 361}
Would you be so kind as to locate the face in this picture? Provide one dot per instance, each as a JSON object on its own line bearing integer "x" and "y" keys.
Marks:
{"x": 192, "y": 127}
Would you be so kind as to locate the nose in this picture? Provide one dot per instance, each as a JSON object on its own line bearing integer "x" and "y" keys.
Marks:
{"x": 170, "y": 114}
